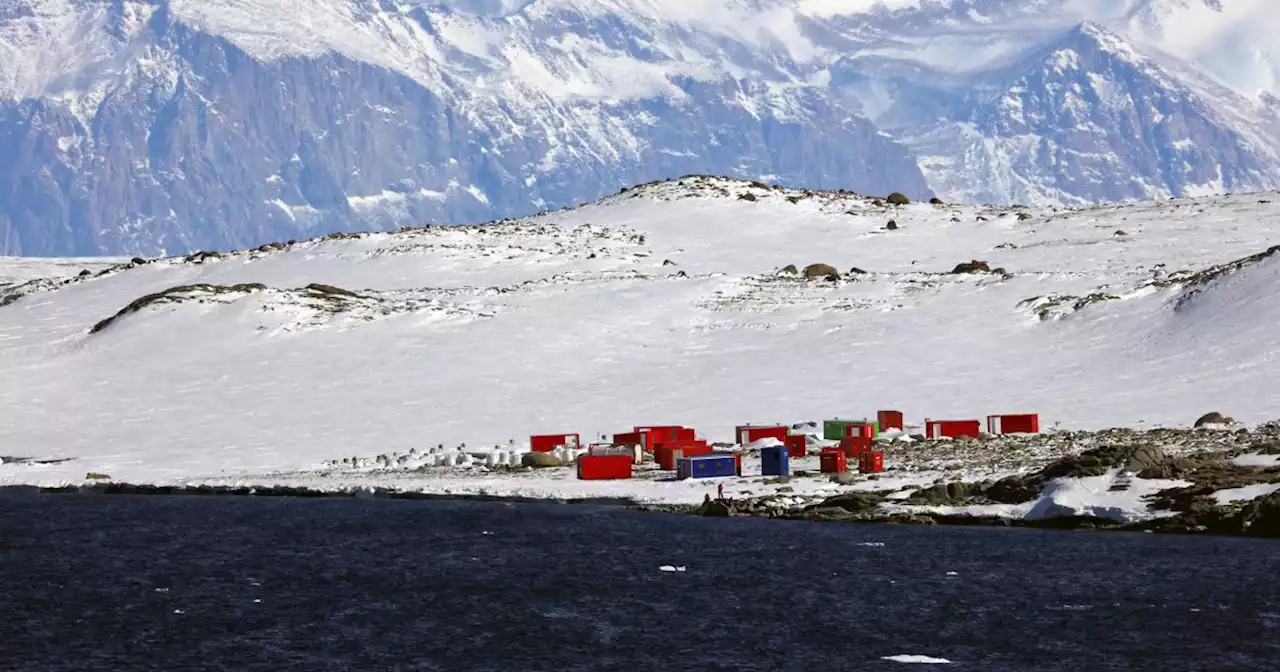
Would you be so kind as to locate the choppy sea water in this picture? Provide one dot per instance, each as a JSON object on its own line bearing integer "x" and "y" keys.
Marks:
{"x": 191, "y": 583}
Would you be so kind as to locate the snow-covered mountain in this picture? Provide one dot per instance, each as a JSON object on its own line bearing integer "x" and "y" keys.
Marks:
{"x": 149, "y": 126}
{"x": 670, "y": 304}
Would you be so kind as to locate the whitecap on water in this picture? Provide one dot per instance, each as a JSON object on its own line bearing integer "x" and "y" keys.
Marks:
{"x": 914, "y": 658}
{"x": 670, "y": 568}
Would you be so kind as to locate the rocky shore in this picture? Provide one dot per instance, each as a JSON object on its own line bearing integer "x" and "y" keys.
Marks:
{"x": 1218, "y": 479}
{"x": 1210, "y": 460}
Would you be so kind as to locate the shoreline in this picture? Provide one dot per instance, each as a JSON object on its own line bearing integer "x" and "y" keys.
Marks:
{"x": 724, "y": 508}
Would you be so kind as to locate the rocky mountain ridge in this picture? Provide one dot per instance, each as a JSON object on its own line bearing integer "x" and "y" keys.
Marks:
{"x": 169, "y": 126}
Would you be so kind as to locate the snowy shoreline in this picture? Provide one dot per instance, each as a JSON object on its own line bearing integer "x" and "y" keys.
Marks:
{"x": 1165, "y": 480}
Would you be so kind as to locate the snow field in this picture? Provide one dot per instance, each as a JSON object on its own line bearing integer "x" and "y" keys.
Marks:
{"x": 573, "y": 322}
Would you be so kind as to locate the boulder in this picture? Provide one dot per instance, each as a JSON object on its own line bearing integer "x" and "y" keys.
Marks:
{"x": 714, "y": 508}
{"x": 789, "y": 269}
{"x": 1214, "y": 418}
{"x": 857, "y": 271}
{"x": 747, "y": 197}
{"x": 891, "y": 226}
{"x": 935, "y": 201}
{"x": 1261, "y": 517}
{"x": 897, "y": 198}
{"x": 974, "y": 266}
{"x": 853, "y": 501}
{"x": 826, "y": 271}
{"x": 541, "y": 461}
{"x": 844, "y": 478}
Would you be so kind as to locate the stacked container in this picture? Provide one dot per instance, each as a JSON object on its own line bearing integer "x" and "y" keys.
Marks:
{"x": 545, "y": 443}
{"x": 668, "y": 454}
{"x": 834, "y": 430}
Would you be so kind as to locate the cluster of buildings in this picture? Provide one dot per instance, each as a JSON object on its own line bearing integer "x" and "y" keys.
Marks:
{"x": 678, "y": 448}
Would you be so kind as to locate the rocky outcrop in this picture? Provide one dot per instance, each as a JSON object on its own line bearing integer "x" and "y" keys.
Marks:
{"x": 825, "y": 271}
{"x": 1213, "y": 418}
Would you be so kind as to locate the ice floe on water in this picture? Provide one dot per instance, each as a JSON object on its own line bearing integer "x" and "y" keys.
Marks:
{"x": 915, "y": 658}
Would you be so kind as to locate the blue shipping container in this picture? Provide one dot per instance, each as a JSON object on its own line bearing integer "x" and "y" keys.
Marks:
{"x": 714, "y": 465}
{"x": 775, "y": 461}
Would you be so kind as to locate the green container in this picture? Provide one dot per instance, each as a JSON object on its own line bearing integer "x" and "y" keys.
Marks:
{"x": 833, "y": 430}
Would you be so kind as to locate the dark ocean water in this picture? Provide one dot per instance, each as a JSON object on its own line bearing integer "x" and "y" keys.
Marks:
{"x": 189, "y": 583}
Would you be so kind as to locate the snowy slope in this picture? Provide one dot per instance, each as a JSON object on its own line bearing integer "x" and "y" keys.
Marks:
{"x": 574, "y": 321}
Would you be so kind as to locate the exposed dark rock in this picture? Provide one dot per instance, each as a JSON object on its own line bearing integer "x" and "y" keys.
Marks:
{"x": 935, "y": 201}
{"x": 1213, "y": 418}
{"x": 1022, "y": 216}
{"x": 856, "y": 271}
{"x": 790, "y": 269}
{"x": 138, "y": 261}
{"x": 1261, "y": 517}
{"x": 174, "y": 295}
{"x": 825, "y": 271}
{"x": 748, "y": 196}
{"x": 974, "y": 266}
{"x": 852, "y": 501}
{"x": 330, "y": 289}
{"x": 897, "y": 198}
{"x": 714, "y": 508}
{"x": 794, "y": 199}
{"x": 541, "y": 461}
{"x": 201, "y": 257}
{"x": 891, "y": 226}
{"x": 94, "y": 476}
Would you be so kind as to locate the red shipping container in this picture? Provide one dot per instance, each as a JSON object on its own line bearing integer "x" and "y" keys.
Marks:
{"x": 668, "y": 454}
{"x": 745, "y": 434}
{"x": 871, "y": 462}
{"x": 659, "y": 433}
{"x": 833, "y": 462}
{"x": 603, "y": 467}
{"x": 546, "y": 443}
{"x": 853, "y": 446}
{"x": 889, "y": 420}
{"x": 1024, "y": 423}
{"x": 631, "y": 439}
{"x": 952, "y": 428}
{"x": 797, "y": 445}
{"x": 860, "y": 429}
